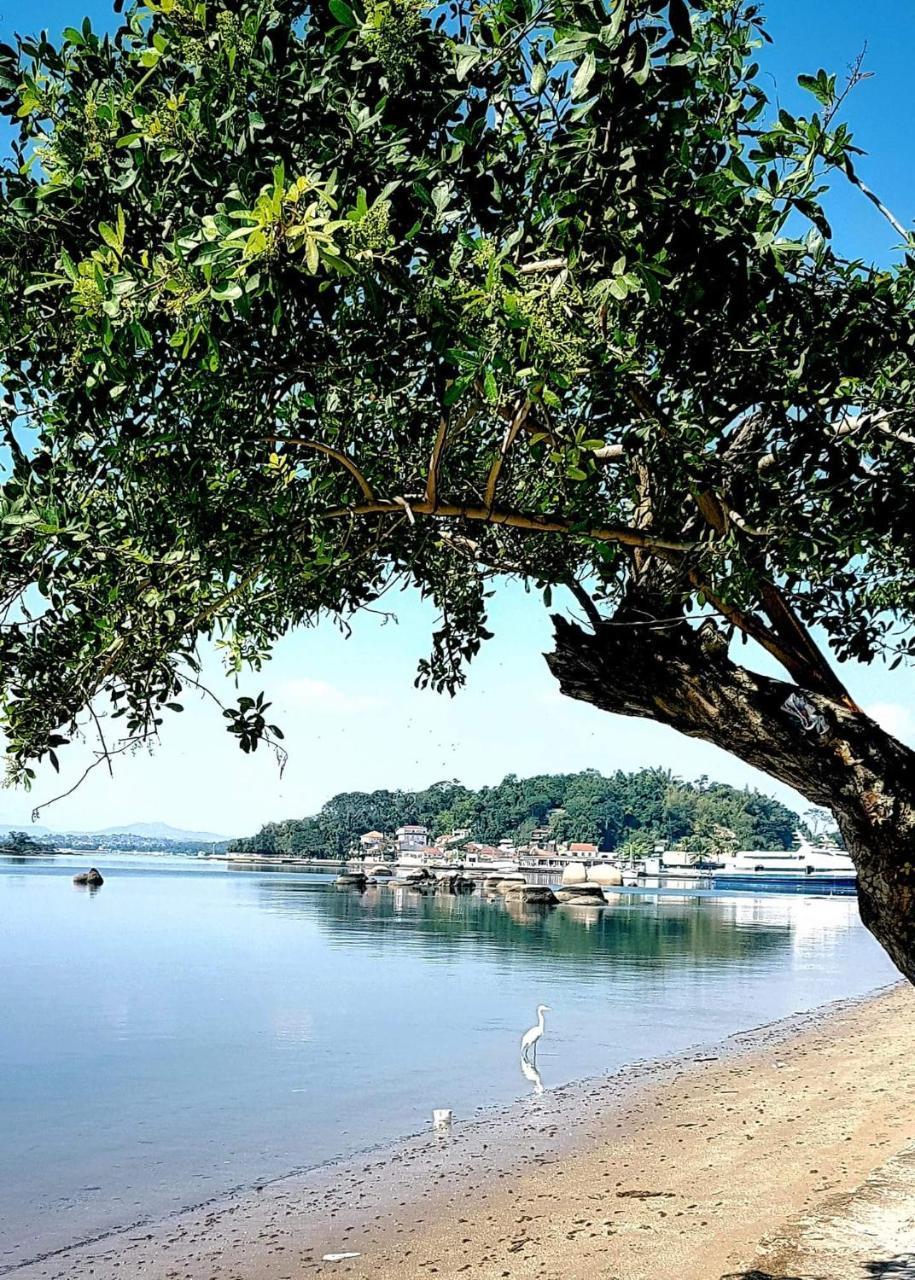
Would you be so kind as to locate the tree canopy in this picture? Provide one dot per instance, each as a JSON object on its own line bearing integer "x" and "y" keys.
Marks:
{"x": 299, "y": 301}
{"x": 625, "y": 810}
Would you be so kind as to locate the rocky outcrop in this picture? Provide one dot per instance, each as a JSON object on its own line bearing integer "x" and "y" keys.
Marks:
{"x": 583, "y": 895}
{"x": 574, "y": 873}
{"x": 93, "y": 878}
{"x": 351, "y": 880}
{"x": 454, "y": 882}
{"x": 605, "y": 875}
{"x": 529, "y": 894}
{"x": 509, "y": 884}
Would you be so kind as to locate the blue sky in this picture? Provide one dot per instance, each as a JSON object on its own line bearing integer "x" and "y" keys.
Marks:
{"x": 352, "y": 717}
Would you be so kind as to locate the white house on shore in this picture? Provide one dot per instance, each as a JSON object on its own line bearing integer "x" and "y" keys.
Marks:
{"x": 371, "y": 842}
{"x": 411, "y": 838}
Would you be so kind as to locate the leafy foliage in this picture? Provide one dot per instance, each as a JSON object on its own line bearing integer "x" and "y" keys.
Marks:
{"x": 20, "y": 844}
{"x": 625, "y": 810}
{"x": 297, "y": 301}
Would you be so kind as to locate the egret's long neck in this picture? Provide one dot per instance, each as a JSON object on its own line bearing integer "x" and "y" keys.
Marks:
{"x": 541, "y": 1022}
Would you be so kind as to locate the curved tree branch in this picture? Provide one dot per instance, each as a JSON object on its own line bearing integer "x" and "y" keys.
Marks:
{"x": 507, "y": 441}
{"x": 514, "y": 519}
{"x": 367, "y": 491}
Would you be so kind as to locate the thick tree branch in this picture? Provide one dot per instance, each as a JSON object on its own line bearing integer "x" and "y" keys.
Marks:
{"x": 515, "y": 519}
{"x": 835, "y": 756}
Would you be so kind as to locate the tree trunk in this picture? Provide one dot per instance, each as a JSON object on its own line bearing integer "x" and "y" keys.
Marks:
{"x": 838, "y": 758}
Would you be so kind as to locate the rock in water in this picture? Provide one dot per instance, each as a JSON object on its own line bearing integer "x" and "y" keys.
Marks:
{"x": 508, "y": 886}
{"x": 538, "y": 895}
{"x": 605, "y": 874}
{"x": 582, "y": 895}
{"x": 574, "y": 873}
{"x": 533, "y": 894}
{"x": 354, "y": 880}
{"x": 91, "y": 877}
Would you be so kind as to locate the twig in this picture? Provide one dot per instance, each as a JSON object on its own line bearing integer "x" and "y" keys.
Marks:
{"x": 849, "y": 171}
{"x": 507, "y": 441}
{"x": 590, "y": 608}
{"x": 546, "y": 264}
{"x": 101, "y": 758}
{"x": 435, "y": 461}
{"x": 367, "y": 491}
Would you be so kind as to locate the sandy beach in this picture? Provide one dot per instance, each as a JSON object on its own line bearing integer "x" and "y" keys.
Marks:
{"x": 787, "y": 1152}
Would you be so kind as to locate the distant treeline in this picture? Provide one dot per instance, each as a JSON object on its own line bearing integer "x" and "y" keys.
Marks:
{"x": 628, "y": 811}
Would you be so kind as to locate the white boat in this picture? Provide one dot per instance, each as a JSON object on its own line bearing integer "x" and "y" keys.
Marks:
{"x": 821, "y": 863}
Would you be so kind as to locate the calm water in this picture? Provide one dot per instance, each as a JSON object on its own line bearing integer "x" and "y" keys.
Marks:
{"x": 188, "y": 1029}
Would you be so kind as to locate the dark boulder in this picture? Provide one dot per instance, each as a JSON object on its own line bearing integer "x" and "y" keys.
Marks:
{"x": 91, "y": 877}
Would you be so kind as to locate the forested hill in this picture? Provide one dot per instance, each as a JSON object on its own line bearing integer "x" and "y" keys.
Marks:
{"x": 626, "y": 810}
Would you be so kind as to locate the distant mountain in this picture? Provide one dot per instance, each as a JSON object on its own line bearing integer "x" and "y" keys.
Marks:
{"x": 160, "y": 831}
{"x": 33, "y": 829}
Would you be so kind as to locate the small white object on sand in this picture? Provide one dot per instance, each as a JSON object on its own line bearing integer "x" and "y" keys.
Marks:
{"x": 339, "y": 1257}
{"x": 442, "y": 1117}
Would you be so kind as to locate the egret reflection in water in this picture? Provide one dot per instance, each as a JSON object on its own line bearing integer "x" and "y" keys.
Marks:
{"x": 530, "y": 1072}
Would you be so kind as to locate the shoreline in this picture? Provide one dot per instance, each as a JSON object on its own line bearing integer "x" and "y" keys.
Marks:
{"x": 536, "y": 1188}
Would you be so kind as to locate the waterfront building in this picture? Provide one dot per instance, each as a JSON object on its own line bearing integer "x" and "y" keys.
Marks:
{"x": 456, "y": 836}
{"x": 412, "y": 838}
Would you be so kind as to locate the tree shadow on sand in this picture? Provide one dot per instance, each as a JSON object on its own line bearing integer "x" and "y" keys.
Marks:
{"x": 768, "y": 1275}
{"x": 902, "y": 1267}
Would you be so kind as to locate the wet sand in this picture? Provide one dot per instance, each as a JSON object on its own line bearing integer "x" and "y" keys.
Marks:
{"x": 781, "y": 1153}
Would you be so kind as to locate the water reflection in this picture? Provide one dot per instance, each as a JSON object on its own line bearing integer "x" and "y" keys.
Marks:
{"x": 530, "y": 1072}
{"x": 654, "y": 929}
{"x": 246, "y": 1023}
{"x": 90, "y": 889}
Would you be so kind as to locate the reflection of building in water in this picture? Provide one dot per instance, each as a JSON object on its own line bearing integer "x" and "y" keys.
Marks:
{"x": 811, "y": 920}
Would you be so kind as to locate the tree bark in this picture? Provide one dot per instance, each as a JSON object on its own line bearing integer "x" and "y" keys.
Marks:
{"x": 683, "y": 677}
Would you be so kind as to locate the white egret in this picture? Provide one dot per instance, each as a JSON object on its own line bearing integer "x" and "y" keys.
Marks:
{"x": 530, "y": 1038}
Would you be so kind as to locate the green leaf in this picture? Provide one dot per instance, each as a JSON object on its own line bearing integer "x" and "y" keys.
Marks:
{"x": 110, "y": 236}
{"x": 570, "y": 48}
{"x": 583, "y": 76}
{"x": 468, "y": 59}
{"x": 342, "y": 12}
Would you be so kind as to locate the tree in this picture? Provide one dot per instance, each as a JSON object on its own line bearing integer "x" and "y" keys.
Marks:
{"x": 21, "y": 844}
{"x": 583, "y": 806}
{"x": 301, "y": 300}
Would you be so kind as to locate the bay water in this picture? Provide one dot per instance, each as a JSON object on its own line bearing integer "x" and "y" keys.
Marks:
{"x": 189, "y": 1028}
